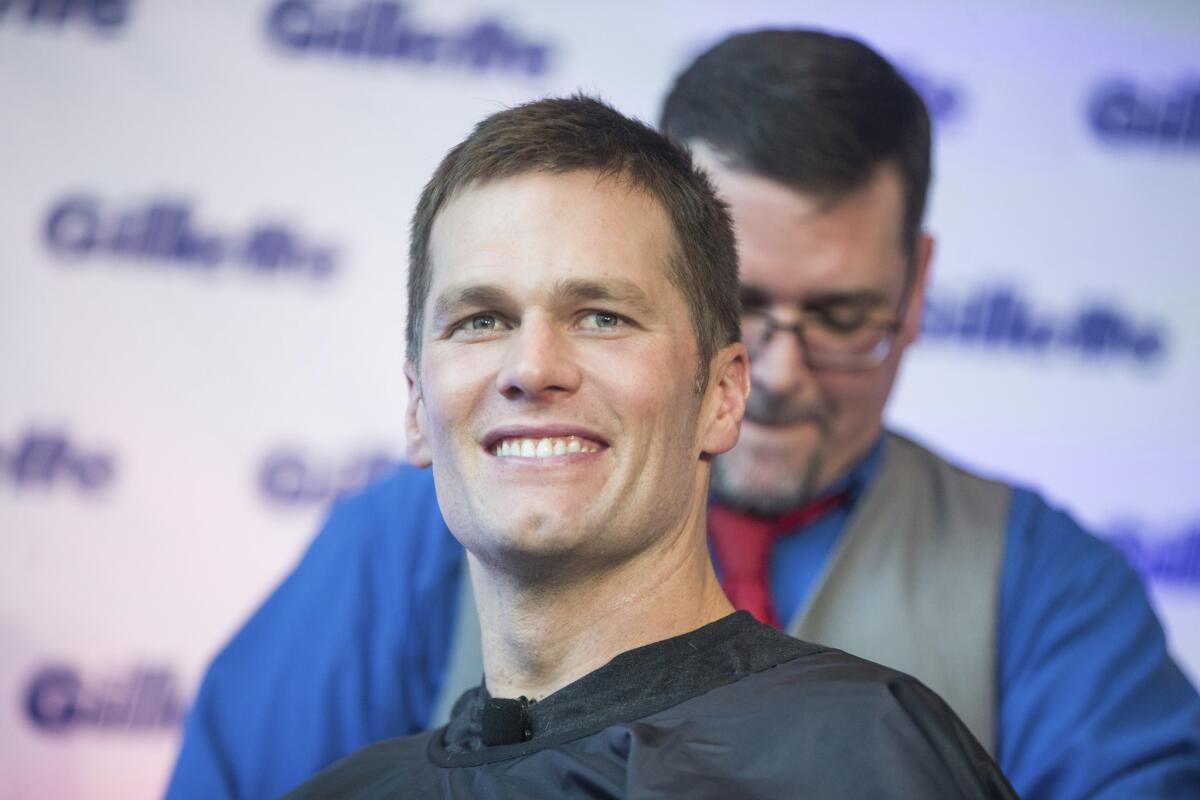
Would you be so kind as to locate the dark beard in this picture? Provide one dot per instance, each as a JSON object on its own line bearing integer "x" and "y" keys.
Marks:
{"x": 766, "y": 501}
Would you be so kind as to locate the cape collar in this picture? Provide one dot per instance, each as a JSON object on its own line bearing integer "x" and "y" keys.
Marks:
{"x": 632, "y": 685}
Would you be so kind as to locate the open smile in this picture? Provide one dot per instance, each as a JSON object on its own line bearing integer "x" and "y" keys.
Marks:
{"x": 531, "y": 444}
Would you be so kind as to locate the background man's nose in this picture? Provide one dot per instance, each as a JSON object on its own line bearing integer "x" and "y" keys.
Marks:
{"x": 779, "y": 366}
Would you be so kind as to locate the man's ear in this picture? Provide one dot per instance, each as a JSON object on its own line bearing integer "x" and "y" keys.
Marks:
{"x": 417, "y": 448}
{"x": 725, "y": 399}
{"x": 913, "y": 311}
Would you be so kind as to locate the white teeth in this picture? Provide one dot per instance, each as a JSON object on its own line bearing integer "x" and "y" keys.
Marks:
{"x": 544, "y": 448}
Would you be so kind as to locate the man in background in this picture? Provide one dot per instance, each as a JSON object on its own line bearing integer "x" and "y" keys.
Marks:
{"x": 1037, "y": 634}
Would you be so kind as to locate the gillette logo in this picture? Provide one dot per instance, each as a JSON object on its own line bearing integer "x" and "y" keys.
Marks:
{"x": 147, "y": 698}
{"x": 165, "y": 233}
{"x": 1167, "y": 557}
{"x": 388, "y": 31}
{"x": 1003, "y": 319}
{"x": 945, "y": 100}
{"x": 1121, "y": 112}
{"x": 105, "y": 16}
{"x": 289, "y": 477}
{"x": 46, "y": 458}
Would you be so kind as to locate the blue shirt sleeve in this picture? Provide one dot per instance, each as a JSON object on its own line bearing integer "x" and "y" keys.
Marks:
{"x": 349, "y": 649}
{"x": 1090, "y": 702}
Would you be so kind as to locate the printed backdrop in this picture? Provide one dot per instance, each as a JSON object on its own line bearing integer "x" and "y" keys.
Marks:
{"x": 203, "y": 220}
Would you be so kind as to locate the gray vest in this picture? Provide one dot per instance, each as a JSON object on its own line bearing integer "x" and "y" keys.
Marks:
{"x": 914, "y": 580}
{"x": 913, "y": 583}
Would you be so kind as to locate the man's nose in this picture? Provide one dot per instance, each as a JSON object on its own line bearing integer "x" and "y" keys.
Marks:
{"x": 539, "y": 361}
{"x": 780, "y": 365}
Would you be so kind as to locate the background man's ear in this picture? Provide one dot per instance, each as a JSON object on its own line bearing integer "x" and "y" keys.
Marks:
{"x": 725, "y": 399}
{"x": 417, "y": 447}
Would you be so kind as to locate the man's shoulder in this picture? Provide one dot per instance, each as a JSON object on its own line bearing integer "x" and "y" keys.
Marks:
{"x": 1031, "y": 514}
{"x": 391, "y": 533}
{"x": 403, "y": 486}
{"x": 780, "y": 667}
{"x": 840, "y": 717}
{"x": 399, "y": 502}
{"x": 390, "y": 768}
{"x": 915, "y": 452}
{"x": 856, "y": 692}
{"x": 824, "y": 672}
{"x": 1039, "y": 534}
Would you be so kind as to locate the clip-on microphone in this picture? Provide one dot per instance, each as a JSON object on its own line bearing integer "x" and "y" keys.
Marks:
{"x": 506, "y": 721}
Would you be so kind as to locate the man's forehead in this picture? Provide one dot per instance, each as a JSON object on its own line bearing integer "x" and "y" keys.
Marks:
{"x": 580, "y": 181}
{"x": 564, "y": 190}
{"x": 796, "y": 247}
{"x": 576, "y": 234}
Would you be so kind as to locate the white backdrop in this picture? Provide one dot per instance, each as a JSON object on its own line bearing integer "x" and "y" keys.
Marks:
{"x": 203, "y": 220}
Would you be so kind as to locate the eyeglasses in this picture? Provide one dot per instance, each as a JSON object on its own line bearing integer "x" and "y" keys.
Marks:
{"x": 832, "y": 340}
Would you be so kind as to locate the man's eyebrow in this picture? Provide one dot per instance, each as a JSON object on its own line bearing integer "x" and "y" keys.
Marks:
{"x": 753, "y": 296}
{"x": 756, "y": 297}
{"x": 456, "y": 298}
{"x": 848, "y": 297}
{"x": 613, "y": 290}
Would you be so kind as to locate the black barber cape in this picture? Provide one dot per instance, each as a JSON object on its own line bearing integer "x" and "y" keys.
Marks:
{"x": 735, "y": 709}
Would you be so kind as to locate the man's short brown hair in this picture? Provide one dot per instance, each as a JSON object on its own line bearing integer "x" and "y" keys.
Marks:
{"x": 561, "y": 135}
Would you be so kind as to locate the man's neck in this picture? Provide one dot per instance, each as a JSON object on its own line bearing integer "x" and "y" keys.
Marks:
{"x": 537, "y": 639}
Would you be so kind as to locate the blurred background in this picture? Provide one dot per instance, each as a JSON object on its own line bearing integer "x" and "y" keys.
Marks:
{"x": 203, "y": 232}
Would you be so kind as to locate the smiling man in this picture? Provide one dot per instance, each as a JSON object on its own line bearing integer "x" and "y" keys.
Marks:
{"x": 574, "y": 365}
{"x": 821, "y": 520}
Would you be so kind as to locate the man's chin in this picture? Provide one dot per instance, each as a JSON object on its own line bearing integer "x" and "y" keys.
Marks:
{"x": 771, "y": 470}
{"x": 528, "y": 534}
{"x": 775, "y": 441}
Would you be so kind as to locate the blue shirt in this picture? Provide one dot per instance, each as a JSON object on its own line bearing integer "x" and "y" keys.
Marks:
{"x": 350, "y": 648}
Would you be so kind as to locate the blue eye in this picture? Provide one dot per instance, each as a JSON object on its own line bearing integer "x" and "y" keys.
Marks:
{"x": 602, "y": 319}
{"x": 486, "y": 323}
{"x": 481, "y": 322}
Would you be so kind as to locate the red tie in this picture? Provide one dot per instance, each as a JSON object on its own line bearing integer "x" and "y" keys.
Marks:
{"x": 741, "y": 543}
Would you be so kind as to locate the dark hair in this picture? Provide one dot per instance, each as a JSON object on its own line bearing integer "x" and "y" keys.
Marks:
{"x": 811, "y": 110}
{"x": 560, "y": 135}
